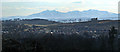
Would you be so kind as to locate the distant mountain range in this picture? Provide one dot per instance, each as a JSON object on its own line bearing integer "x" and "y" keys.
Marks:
{"x": 56, "y": 15}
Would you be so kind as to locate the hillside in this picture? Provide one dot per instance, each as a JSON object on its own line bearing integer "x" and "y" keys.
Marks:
{"x": 33, "y": 21}
{"x": 89, "y": 35}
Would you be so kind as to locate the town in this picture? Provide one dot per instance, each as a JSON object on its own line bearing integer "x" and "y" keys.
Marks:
{"x": 40, "y": 34}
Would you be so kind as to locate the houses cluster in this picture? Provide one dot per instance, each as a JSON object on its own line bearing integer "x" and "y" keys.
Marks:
{"x": 66, "y": 29}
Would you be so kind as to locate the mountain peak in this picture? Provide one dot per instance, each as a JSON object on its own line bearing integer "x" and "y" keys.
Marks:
{"x": 50, "y": 11}
{"x": 73, "y": 11}
{"x": 90, "y": 10}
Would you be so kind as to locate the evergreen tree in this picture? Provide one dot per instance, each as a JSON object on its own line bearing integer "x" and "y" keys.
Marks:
{"x": 112, "y": 35}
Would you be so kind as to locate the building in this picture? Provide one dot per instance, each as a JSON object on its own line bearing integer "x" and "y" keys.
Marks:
{"x": 94, "y": 19}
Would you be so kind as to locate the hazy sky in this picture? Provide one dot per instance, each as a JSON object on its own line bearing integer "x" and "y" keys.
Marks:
{"x": 27, "y": 7}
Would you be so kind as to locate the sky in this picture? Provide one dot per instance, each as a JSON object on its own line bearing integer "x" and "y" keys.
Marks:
{"x": 28, "y": 7}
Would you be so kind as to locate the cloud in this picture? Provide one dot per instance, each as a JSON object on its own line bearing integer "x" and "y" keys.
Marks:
{"x": 49, "y": 1}
{"x": 77, "y": 2}
{"x": 28, "y": 8}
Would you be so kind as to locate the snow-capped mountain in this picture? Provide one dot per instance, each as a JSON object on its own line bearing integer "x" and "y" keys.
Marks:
{"x": 56, "y": 15}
